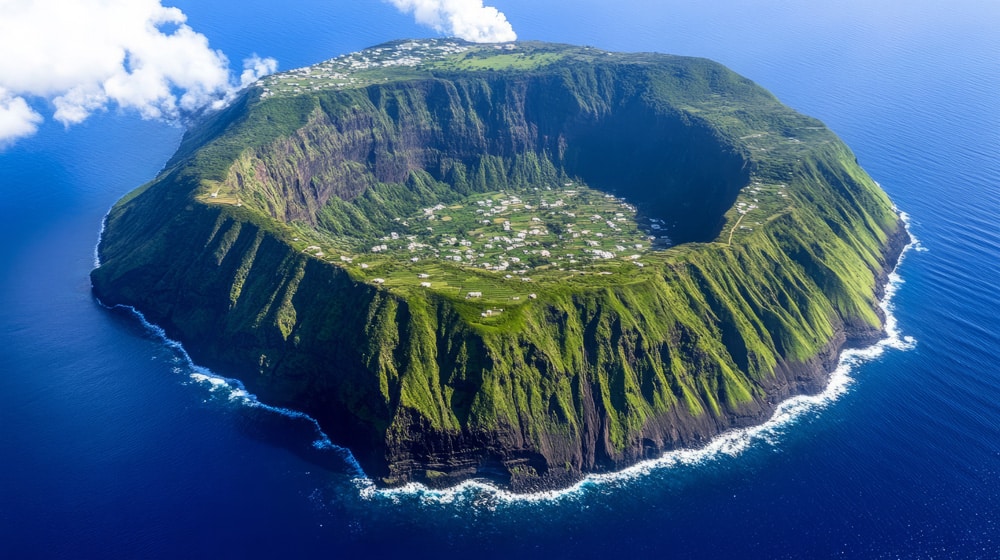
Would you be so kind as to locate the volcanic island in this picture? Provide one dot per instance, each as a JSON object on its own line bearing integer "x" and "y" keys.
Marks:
{"x": 519, "y": 262}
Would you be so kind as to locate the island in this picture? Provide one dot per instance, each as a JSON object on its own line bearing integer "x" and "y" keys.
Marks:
{"x": 519, "y": 262}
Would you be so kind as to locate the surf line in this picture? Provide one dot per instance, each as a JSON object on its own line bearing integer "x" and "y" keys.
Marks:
{"x": 728, "y": 444}
{"x": 237, "y": 390}
{"x": 97, "y": 246}
{"x": 204, "y": 375}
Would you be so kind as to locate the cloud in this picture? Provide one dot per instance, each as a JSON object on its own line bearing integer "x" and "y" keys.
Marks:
{"x": 87, "y": 55}
{"x": 255, "y": 67}
{"x": 467, "y": 19}
{"x": 17, "y": 119}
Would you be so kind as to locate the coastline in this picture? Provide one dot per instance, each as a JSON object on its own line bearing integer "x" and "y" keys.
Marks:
{"x": 729, "y": 442}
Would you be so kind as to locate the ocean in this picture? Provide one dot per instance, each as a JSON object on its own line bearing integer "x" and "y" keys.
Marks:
{"x": 114, "y": 445}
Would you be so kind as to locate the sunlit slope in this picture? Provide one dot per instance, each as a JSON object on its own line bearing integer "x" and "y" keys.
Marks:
{"x": 523, "y": 262}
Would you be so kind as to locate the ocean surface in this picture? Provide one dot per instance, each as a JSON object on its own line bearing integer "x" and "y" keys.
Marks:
{"x": 113, "y": 445}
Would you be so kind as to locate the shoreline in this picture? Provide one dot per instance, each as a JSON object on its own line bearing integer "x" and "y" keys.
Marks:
{"x": 731, "y": 442}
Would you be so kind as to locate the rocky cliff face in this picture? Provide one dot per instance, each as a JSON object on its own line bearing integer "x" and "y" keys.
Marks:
{"x": 589, "y": 376}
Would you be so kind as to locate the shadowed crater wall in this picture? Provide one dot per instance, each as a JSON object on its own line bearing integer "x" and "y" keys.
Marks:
{"x": 479, "y": 134}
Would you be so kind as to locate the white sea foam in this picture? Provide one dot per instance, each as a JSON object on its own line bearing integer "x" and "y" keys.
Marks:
{"x": 729, "y": 444}
{"x": 97, "y": 246}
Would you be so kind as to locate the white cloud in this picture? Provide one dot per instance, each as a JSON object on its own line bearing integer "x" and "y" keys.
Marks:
{"x": 17, "y": 119}
{"x": 87, "y": 55}
{"x": 467, "y": 19}
{"x": 255, "y": 67}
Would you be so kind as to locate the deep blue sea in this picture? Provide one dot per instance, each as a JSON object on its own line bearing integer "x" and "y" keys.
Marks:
{"x": 112, "y": 445}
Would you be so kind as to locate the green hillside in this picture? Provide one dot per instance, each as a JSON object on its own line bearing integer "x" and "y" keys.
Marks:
{"x": 523, "y": 262}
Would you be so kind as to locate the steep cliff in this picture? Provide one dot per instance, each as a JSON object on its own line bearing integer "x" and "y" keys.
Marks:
{"x": 249, "y": 246}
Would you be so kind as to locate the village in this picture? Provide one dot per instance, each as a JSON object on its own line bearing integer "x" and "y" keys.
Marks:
{"x": 359, "y": 68}
{"x": 562, "y": 229}
{"x": 504, "y": 246}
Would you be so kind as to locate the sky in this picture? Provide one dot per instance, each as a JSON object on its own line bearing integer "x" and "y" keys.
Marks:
{"x": 65, "y": 61}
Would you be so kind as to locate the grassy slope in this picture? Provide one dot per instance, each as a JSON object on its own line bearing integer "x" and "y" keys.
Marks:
{"x": 584, "y": 376}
